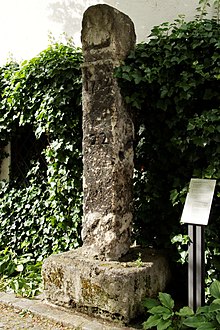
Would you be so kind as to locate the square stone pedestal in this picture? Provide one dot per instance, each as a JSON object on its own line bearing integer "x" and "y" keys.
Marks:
{"x": 113, "y": 290}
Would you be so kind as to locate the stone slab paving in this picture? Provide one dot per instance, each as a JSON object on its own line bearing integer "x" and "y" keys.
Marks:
{"x": 20, "y": 313}
{"x": 13, "y": 318}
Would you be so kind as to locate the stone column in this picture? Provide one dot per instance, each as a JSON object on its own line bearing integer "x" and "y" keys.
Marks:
{"x": 107, "y": 38}
{"x": 79, "y": 279}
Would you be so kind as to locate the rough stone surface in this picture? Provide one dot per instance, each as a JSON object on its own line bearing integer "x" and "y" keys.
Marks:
{"x": 102, "y": 278}
{"x": 109, "y": 289}
{"x": 107, "y": 37}
{"x": 106, "y": 33}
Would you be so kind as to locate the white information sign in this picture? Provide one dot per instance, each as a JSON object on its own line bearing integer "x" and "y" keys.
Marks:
{"x": 198, "y": 202}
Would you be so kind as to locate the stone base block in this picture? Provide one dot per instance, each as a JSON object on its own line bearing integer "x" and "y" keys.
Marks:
{"x": 111, "y": 289}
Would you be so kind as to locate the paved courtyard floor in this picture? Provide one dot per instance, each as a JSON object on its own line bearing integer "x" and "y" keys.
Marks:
{"x": 12, "y": 318}
{"x": 20, "y": 313}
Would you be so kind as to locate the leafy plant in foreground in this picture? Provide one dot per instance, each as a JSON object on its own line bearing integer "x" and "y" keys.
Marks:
{"x": 164, "y": 316}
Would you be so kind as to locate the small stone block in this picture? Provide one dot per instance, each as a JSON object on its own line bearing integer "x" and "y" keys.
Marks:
{"x": 113, "y": 290}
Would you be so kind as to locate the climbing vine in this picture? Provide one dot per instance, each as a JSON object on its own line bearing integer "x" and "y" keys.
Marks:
{"x": 172, "y": 85}
{"x": 40, "y": 211}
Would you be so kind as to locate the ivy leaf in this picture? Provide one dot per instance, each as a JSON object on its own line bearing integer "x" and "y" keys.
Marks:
{"x": 137, "y": 79}
{"x": 20, "y": 268}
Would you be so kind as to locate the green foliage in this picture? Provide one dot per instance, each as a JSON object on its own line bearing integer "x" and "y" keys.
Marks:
{"x": 172, "y": 85}
{"x": 139, "y": 262}
{"x": 40, "y": 213}
{"x": 182, "y": 243}
{"x": 164, "y": 316}
{"x": 20, "y": 274}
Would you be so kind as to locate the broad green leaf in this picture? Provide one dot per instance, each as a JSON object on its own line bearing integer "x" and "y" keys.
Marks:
{"x": 194, "y": 321}
{"x": 206, "y": 326}
{"x": 151, "y": 322}
{"x": 185, "y": 311}
{"x": 203, "y": 309}
{"x": 216, "y": 301}
{"x": 150, "y": 302}
{"x": 166, "y": 300}
{"x": 160, "y": 310}
{"x": 218, "y": 317}
{"x": 163, "y": 324}
{"x": 215, "y": 289}
{"x": 214, "y": 307}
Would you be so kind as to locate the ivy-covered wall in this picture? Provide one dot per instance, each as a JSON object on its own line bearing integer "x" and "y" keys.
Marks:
{"x": 42, "y": 214}
{"x": 172, "y": 84}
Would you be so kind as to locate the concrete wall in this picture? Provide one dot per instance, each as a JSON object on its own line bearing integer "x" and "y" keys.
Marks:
{"x": 25, "y": 24}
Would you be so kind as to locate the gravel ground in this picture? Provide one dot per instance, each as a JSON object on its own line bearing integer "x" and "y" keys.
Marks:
{"x": 12, "y": 318}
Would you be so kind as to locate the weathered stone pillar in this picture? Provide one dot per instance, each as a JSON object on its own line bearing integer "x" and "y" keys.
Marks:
{"x": 79, "y": 279}
{"x": 107, "y": 38}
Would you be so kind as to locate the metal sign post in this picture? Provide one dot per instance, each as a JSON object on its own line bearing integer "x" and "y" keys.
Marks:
{"x": 196, "y": 267}
{"x": 196, "y": 214}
